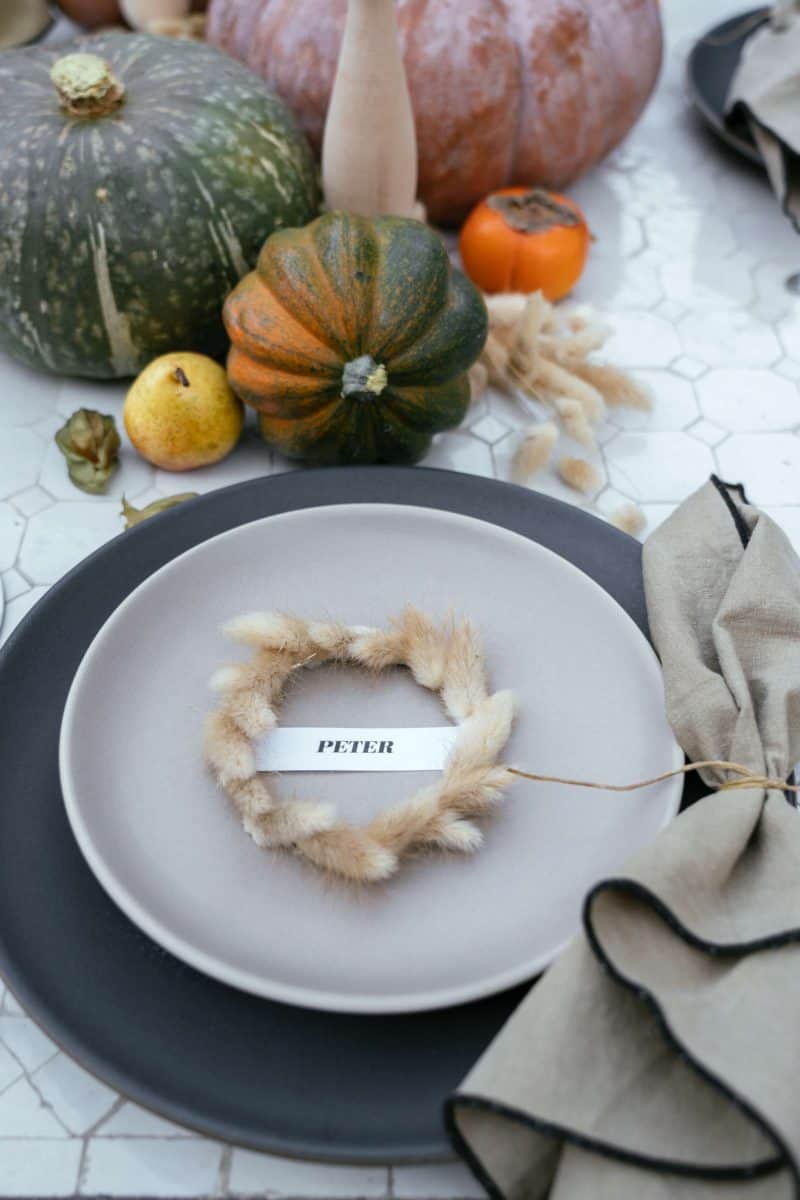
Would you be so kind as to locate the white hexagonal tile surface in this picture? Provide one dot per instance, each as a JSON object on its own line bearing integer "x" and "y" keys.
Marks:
{"x": 12, "y": 525}
{"x": 768, "y": 464}
{"x": 641, "y": 339}
{"x": 688, "y": 268}
{"x": 26, "y": 396}
{"x": 58, "y": 538}
{"x": 743, "y": 399}
{"x": 658, "y": 466}
{"x": 21, "y": 454}
{"x": 730, "y": 338}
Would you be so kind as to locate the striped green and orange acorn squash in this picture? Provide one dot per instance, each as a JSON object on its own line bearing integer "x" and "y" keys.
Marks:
{"x": 352, "y": 337}
{"x": 139, "y": 176}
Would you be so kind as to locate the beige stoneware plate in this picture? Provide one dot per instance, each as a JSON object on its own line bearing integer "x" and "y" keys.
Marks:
{"x": 167, "y": 848}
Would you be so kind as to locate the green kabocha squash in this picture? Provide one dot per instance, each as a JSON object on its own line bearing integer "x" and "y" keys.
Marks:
{"x": 139, "y": 176}
{"x": 352, "y": 337}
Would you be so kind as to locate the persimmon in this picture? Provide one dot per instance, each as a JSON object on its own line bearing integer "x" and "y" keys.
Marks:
{"x": 523, "y": 239}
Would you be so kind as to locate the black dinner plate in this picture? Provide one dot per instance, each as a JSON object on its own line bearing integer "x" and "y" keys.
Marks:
{"x": 261, "y": 1074}
{"x": 709, "y": 71}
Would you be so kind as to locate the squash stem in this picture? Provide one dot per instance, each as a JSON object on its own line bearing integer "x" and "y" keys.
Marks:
{"x": 532, "y": 212}
{"x": 86, "y": 86}
{"x": 363, "y": 375}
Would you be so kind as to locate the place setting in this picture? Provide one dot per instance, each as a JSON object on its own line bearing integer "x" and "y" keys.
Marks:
{"x": 169, "y": 850}
{"x": 742, "y": 79}
{"x": 357, "y": 810}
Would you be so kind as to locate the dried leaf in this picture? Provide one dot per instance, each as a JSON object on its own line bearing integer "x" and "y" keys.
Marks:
{"x": 135, "y": 516}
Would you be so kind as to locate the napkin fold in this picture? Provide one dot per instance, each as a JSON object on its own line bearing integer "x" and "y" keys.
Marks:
{"x": 659, "y": 1055}
{"x": 765, "y": 93}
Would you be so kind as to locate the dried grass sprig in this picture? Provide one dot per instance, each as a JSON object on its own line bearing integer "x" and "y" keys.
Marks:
{"x": 544, "y": 352}
{"x": 629, "y": 518}
{"x": 446, "y": 659}
{"x": 579, "y": 474}
{"x": 533, "y": 451}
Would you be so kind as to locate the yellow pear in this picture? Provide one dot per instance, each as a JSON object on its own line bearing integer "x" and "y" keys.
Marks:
{"x": 180, "y": 412}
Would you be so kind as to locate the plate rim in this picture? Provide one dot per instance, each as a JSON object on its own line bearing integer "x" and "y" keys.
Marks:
{"x": 255, "y": 984}
{"x": 609, "y": 556}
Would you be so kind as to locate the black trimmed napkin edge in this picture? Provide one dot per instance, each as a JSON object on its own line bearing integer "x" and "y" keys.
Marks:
{"x": 721, "y": 1173}
{"x": 759, "y": 1169}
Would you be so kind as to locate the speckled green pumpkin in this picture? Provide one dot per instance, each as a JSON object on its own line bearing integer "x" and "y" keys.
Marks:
{"x": 121, "y": 234}
{"x": 352, "y": 337}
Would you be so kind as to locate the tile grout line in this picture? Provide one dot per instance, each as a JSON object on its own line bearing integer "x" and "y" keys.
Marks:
{"x": 224, "y": 1172}
{"x": 625, "y": 170}
{"x": 44, "y": 1102}
{"x": 83, "y": 1166}
{"x": 116, "y": 1106}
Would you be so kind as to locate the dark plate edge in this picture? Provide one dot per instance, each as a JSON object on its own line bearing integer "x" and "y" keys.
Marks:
{"x": 439, "y": 1150}
{"x": 741, "y": 145}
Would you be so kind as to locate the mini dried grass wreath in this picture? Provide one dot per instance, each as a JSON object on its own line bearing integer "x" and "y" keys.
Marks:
{"x": 447, "y": 659}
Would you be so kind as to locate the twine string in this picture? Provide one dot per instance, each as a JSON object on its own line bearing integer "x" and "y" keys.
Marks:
{"x": 746, "y": 778}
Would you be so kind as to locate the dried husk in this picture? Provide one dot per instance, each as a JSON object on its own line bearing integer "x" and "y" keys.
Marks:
{"x": 135, "y": 516}
{"x": 90, "y": 443}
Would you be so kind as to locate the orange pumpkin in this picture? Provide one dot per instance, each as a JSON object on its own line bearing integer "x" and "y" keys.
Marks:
{"x": 503, "y": 91}
{"x": 92, "y": 13}
{"x": 525, "y": 240}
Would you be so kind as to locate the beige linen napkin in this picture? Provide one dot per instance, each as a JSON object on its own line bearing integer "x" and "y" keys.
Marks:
{"x": 660, "y": 1055}
{"x": 765, "y": 92}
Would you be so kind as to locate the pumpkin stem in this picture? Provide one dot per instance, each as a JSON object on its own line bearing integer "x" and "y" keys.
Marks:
{"x": 86, "y": 86}
{"x": 533, "y": 211}
{"x": 364, "y": 375}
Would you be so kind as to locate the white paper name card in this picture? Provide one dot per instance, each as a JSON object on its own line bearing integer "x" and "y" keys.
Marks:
{"x": 301, "y": 748}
